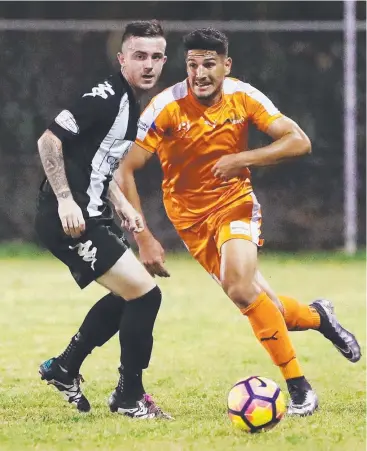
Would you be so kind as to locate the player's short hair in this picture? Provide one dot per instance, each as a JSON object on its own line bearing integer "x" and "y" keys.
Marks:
{"x": 206, "y": 39}
{"x": 143, "y": 29}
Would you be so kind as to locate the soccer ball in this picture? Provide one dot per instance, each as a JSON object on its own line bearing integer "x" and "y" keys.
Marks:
{"x": 255, "y": 404}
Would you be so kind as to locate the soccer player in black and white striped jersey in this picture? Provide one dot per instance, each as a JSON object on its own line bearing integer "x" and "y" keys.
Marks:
{"x": 79, "y": 151}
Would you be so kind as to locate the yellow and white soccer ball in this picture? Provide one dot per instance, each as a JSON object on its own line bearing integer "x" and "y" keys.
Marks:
{"x": 256, "y": 404}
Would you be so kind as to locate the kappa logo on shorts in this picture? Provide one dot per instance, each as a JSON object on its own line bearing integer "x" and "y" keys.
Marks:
{"x": 87, "y": 254}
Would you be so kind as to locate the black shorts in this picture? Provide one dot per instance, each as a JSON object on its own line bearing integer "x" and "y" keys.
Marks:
{"x": 89, "y": 256}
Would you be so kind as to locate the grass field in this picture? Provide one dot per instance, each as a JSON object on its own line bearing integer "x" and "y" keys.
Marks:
{"x": 203, "y": 345}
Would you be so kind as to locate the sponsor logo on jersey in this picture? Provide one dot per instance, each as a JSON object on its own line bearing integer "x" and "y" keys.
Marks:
{"x": 67, "y": 121}
{"x": 143, "y": 126}
{"x": 102, "y": 90}
{"x": 85, "y": 251}
{"x": 113, "y": 162}
{"x": 235, "y": 120}
{"x": 229, "y": 120}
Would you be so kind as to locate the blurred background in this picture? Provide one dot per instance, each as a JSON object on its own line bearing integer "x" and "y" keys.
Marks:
{"x": 300, "y": 54}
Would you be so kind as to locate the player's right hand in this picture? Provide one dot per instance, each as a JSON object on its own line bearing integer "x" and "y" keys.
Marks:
{"x": 152, "y": 256}
{"x": 131, "y": 219}
{"x": 71, "y": 217}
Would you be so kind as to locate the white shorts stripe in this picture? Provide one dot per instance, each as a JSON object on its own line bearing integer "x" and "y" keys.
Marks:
{"x": 256, "y": 219}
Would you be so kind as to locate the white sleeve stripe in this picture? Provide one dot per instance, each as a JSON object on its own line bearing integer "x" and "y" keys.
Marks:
{"x": 230, "y": 86}
{"x": 163, "y": 99}
{"x": 264, "y": 101}
{"x": 258, "y": 96}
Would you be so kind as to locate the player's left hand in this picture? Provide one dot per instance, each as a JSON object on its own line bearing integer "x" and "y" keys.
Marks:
{"x": 228, "y": 167}
{"x": 131, "y": 219}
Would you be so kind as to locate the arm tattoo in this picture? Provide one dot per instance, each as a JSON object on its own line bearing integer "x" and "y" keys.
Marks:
{"x": 50, "y": 150}
{"x": 64, "y": 194}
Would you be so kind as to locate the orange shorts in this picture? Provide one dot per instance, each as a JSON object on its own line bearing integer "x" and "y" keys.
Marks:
{"x": 241, "y": 219}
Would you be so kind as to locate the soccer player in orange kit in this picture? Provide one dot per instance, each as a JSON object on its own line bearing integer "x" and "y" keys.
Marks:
{"x": 198, "y": 129}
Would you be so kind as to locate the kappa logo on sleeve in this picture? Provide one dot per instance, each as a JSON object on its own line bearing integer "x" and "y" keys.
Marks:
{"x": 102, "y": 90}
{"x": 67, "y": 121}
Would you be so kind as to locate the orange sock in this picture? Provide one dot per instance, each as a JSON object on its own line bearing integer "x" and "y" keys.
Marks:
{"x": 299, "y": 316}
{"x": 270, "y": 329}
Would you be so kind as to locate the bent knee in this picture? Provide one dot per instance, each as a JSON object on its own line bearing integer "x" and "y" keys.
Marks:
{"x": 128, "y": 278}
{"x": 242, "y": 294}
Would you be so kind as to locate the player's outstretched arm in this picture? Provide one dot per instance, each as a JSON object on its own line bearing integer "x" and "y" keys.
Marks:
{"x": 135, "y": 159}
{"x": 71, "y": 216}
{"x": 131, "y": 219}
{"x": 151, "y": 251}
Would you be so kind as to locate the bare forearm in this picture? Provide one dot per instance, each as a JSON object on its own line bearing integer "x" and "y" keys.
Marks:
{"x": 50, "y": 150}
{"x": 115, "y": 194}
{"x": 125, "y": 181}
{"x": 289, "y": 146}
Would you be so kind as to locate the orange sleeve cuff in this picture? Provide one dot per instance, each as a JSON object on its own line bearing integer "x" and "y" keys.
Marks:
{"x": 145, "y": 146}
{"x": 271, "y": 120}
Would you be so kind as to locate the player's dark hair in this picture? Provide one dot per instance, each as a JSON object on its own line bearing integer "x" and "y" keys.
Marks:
{"x": 143, "y": 29}
{"x": 206, "y": 39}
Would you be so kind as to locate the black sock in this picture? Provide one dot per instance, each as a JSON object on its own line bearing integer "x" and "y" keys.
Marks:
{"x": 103, "y": 320}
{"x": 101, "y": 323}
{"x": 298, "y": 383}
{"x": 130, "y": 385}
{"x": 136, "y": 340}
{"x": 74, "y": 355}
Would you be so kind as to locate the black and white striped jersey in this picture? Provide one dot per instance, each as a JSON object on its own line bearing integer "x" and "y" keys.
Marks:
{"x": 96, "y": 133}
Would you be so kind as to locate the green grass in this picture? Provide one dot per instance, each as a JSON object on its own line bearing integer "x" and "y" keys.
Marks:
{"x": 203, "y": 345}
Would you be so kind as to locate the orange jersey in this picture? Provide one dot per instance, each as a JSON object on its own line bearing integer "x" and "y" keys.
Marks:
{"x": 189, "y": 138}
